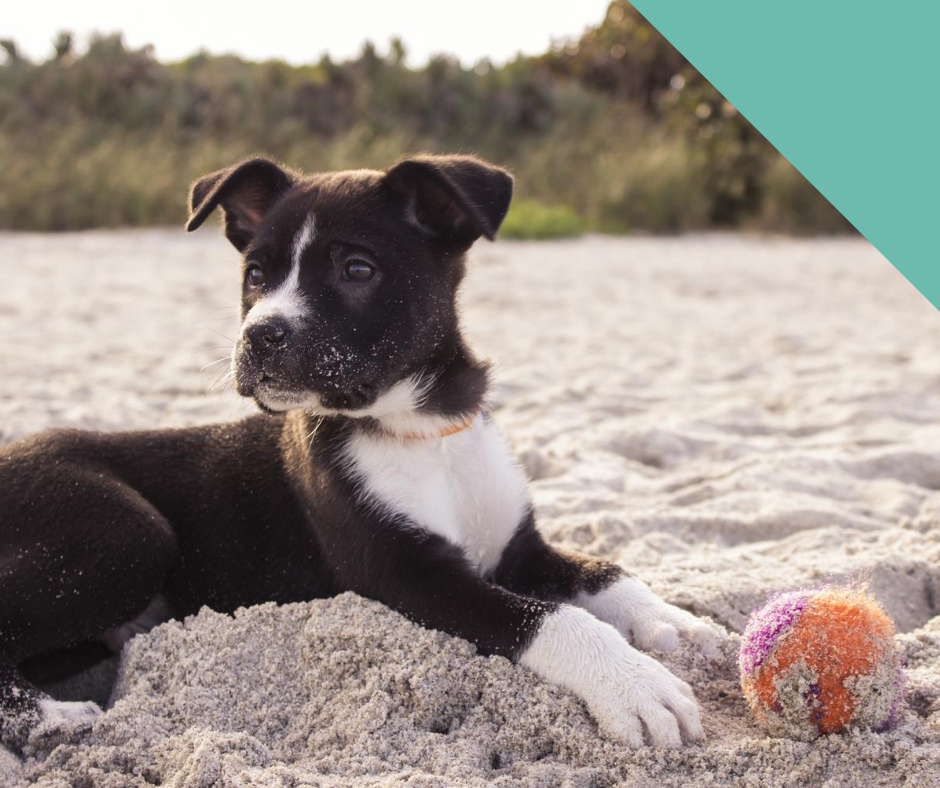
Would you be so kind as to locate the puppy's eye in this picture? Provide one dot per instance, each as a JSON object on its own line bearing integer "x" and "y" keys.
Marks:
{"x": 358, "y": 271}
{"x": 254, "y": 276}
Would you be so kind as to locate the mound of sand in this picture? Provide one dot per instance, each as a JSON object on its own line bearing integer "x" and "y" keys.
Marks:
{"x": 725, "y": 417}
{"x": 344, "y": 691}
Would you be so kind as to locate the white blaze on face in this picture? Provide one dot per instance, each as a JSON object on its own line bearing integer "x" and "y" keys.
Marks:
{"x": 287, "y": 301}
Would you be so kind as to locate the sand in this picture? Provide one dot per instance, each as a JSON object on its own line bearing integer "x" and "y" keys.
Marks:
{"x": 726, "y": 417}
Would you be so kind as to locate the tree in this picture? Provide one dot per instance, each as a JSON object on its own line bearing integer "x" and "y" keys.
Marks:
{"x": 63, "y": 43}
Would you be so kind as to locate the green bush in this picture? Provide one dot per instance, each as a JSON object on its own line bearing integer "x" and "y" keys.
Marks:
{"x": 660, "y": 189}
{"x": 617, "y": 127}
{"x": 531, "y": 220}
{"x": 793, "y": 205}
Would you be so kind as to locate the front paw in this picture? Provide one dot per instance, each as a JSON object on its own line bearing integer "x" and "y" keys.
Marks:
{"x": 647, "y": 621}
{"x": 642, "y": 694}
{"x": 628, "y": 692}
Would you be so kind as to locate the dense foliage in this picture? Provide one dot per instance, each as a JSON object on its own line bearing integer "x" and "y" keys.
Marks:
{"x": 613, "y": 132}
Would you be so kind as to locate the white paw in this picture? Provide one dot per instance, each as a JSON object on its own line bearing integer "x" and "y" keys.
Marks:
{"x": 630, "y": 694}
{"x": 642, "y": 696}
{"x": 69, "y": 714}
{"x": 647, "y": 621}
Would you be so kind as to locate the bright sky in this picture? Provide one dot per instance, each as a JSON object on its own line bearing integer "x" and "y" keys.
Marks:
{"x": 300, "y": 32}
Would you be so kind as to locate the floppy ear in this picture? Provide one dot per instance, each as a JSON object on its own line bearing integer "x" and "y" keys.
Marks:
{"x": 246, "y": 191}
{"x": 456, "y": 198}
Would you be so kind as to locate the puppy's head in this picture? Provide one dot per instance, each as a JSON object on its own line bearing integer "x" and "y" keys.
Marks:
{"x": 349, "y": 279}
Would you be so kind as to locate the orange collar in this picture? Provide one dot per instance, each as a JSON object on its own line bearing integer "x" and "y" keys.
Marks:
{"x": 453, "y": 429}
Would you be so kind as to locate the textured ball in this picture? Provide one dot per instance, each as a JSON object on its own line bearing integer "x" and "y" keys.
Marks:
{"x": 821, "y": 661}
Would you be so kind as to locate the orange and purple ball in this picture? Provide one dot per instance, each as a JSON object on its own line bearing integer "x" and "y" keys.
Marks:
{"x": 821, "y": 661}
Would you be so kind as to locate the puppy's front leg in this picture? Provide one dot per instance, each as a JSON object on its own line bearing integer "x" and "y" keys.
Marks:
{"x": 428, "y": 580}
{"x": 531, "y": 566}
{"x": 625, "y": 689}
{"x": 645, "y": 619}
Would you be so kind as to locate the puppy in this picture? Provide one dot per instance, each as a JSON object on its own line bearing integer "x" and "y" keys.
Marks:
{"x": 374, "y": 468}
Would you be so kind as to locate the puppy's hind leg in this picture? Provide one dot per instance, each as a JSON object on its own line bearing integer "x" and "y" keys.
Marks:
{"x": 19, "y": 705}
{"x": 71, "y": 568}
{"x": 24, "y": 709}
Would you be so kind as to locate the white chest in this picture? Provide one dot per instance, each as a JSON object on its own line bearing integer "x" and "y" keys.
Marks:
{"x": 466, "y": 487}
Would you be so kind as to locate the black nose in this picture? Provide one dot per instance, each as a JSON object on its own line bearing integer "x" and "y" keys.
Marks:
{"x": 268, "y": 335}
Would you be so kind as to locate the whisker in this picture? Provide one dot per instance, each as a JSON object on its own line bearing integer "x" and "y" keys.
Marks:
{"x": 313, "y": 432}
{"x": 424, "y": 384}
{"x": 217, "y": 333}
{"x": 225, "y": 378}
{"x": 213, "y": 363}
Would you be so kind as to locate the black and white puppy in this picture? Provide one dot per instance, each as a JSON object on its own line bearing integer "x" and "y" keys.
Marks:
{"x": 375, "y": 467}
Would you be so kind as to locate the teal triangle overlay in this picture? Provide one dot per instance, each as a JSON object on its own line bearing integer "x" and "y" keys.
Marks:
{"x": 848, "y": 92}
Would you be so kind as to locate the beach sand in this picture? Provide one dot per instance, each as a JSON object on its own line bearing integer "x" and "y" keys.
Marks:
{"x": 724, "y": 416}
